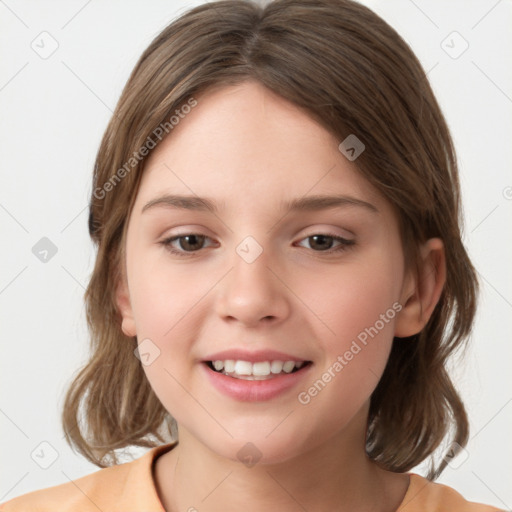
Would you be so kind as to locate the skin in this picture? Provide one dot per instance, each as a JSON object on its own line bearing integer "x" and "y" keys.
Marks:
{"x": 247, "y": 149}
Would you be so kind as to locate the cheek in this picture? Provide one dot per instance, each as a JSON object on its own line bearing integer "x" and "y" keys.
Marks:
{"x": 358, "y": 305}
{"x": 161, "y": 293}
{"x": 168, "y": 304}
{"x": 167, "y": 313}
{"x": 356, "y": 297}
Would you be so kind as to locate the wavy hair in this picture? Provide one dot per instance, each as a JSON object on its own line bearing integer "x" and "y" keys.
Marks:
{"x": 348, "y": 69}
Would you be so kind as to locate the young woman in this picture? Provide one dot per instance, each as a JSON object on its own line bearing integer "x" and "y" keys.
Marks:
{"x": 280, "y": 276}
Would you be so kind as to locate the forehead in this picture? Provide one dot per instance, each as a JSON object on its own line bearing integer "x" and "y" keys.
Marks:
{"x": 246, "y": 144}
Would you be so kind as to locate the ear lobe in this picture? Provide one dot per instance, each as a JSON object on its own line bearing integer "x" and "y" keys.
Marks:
{"x": 124, "y": 306}
{"x": 423, "y": 291}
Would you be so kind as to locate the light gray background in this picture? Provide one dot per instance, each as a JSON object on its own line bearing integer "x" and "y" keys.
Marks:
{"x": 54, "y": 111}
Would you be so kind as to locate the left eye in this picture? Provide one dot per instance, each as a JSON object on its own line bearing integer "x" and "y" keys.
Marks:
{"x": 321, "y": 240}
{"x": 192, "y": 242}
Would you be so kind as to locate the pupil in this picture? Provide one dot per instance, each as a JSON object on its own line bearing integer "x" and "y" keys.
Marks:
{"x": 187, "y": 243}
{"x": 321, "y": 238}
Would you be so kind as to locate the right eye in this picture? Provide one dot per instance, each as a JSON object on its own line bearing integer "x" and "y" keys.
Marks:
{"x": 188, "y": 243}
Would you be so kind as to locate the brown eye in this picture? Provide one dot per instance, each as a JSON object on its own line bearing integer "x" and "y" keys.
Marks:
{"x": 191, "y": 242}
{"x": 323, "y": 242}
{"x": 187, "y": 245}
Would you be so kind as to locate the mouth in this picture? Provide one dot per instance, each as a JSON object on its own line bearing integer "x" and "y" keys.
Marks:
{"x": 261, "y": 370}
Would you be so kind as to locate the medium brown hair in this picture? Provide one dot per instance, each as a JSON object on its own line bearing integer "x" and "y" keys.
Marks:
{"x": 352, "y": 72}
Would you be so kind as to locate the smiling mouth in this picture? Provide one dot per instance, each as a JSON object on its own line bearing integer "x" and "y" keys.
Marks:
{"x": 262, "y": 370}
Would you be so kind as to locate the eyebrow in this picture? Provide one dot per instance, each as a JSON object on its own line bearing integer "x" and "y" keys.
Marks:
{"x": 306, "y": 203}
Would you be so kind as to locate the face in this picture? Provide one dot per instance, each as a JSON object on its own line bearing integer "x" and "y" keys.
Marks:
{"x": 253, "y": 279}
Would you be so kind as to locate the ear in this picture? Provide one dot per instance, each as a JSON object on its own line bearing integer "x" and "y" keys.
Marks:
{"x": 125, "y": 308}
{"x": 421, "y": 292}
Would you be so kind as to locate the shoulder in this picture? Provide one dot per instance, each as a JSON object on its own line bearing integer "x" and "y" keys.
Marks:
{"x": 79, "y": 494}
{"x": 426, "y": 496}
{"x": 127, "y": 486}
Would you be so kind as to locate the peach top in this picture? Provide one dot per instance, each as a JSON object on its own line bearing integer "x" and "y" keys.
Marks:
{"x": 130, "y": 487}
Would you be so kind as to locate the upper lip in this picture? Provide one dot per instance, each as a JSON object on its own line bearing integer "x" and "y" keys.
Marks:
{"x": 252, "y": 357}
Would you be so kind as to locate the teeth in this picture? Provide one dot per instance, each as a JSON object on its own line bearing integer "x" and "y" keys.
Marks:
{"x": 262, "y": 368}
{"x": 276, "y": 366}
{"x": 255, "y": 371}
{"x": 243, "y": 368}
{"x": 288, "y": 366}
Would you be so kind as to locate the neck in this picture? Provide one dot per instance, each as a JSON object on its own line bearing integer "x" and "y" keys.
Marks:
{"x": 336, "y": 475}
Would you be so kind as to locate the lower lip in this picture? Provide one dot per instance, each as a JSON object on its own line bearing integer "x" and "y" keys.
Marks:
{"x": 255, "y": 390}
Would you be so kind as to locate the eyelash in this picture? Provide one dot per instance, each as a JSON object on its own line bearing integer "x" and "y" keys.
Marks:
{"x": 345, "y": 244}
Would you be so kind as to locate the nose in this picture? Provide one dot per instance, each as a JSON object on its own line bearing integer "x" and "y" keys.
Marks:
{"x": 253, "y": 293}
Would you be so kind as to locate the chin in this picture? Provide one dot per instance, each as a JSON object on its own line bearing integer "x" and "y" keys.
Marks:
{"x": 261, "y": 451}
